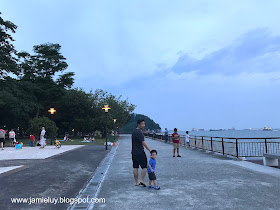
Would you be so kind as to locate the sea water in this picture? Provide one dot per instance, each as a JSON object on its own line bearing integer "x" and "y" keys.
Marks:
{"x": 234, "y": 133}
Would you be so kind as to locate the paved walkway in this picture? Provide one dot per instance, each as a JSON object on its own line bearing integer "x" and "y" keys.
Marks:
{"x": 198, "y": 180}
{"x": 62, "y": 175}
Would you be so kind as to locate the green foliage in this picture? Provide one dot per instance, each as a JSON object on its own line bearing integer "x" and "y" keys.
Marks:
{"x": 37, "y": 123}
{"x": 7, "y": 51}
{"x": 132, "y": 124}
{"x": 25, "y": 100}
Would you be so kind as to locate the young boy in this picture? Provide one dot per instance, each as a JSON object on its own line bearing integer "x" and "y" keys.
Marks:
{"x": 151, "y": 170}
{"x": 187, "y": 139}
{"x": 32, "y": 139}
{"x": 176, "y": 142}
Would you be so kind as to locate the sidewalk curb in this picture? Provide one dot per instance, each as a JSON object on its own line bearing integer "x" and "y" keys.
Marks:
{"x": 92, "y": 189}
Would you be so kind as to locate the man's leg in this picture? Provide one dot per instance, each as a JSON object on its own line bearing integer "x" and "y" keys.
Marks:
{"x": 135, "y": 173}
{"x": 143, "y": 174}
{"x": 150, "y": 182}
{"x": 1, "y": 144}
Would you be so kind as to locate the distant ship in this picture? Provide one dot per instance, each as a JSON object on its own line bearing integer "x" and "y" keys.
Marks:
{"x": 194, "y": 129}
{"x": 216, "y": 129}
{"x": 267, "y": 128}
{"x": 232, "y": 129}
{"x": 200, "y": 129}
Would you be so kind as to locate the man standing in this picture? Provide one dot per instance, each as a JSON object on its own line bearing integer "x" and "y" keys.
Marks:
{"x": 2, "y": 138}
{"x": 138, "y": 153}
{"x": 42, "y": 138}
{"x": 166, "y": 135}
{"x": 12, "y": 136}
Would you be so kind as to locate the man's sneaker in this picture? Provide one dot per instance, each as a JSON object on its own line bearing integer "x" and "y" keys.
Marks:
{"x": 179, "y": 156}
{"x": 173, "y": 155}
{"x": 150, "y": 187}
{"x": 157, "y": 188}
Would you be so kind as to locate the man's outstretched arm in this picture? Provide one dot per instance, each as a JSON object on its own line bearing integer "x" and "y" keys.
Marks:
{"x": 146, "y": 145}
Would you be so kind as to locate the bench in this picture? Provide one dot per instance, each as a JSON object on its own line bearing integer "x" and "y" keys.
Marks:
{"x": 271, "y": 159}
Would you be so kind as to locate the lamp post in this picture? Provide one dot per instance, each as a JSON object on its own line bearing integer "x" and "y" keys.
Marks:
{"x": 106, "y": 108}
{"x": 115, "y": 120}
{"x": 52, "y": 111}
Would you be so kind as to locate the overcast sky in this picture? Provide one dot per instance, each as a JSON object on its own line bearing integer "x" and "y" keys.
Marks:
{"x": 184, "y": 63}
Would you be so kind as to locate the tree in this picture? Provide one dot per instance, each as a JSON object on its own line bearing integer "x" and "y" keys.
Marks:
{"x": 8, "y": 61}
{"x": 37, "y": 123}
{"x": 66, "y": 80}
{"x": 48, "y": 60}
{"x": 120, "y": 109}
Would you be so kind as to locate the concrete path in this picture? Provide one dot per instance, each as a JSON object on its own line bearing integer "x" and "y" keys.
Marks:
{"x": 197, "y": 180}
{"x": 62, "y": 175}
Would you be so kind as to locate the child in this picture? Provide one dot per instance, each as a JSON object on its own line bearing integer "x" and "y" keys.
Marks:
{"x": 187, "y": 139}
{"x": 32, "y": 139}
{"x": 176, "y": 142}
{"x": 151, "y": 170}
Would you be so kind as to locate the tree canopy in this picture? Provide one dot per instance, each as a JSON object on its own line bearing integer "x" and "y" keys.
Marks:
{"x": 32, "y": 83}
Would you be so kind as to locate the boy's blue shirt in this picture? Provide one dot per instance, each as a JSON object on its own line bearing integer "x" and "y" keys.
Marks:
{"x": 153, "y": 163}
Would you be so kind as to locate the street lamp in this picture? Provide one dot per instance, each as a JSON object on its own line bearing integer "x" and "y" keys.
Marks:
{"x": 52, "y": 111}
{"x": 115, "y": 120}
{"x": 106, "y": 108}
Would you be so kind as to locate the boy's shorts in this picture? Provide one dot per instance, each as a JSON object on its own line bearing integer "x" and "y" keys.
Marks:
{"x": 176, "y": 145}
{"x": 152, "y": 176}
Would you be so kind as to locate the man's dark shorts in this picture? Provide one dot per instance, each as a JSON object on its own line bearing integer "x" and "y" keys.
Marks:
{"x": 139, "y": 159}
{"x": 2, "y": 140}
{"x": 152, "y": 176}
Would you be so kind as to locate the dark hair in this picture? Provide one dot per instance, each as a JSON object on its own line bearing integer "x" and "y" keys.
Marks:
{"x": 153, "y": 151}
{"x": 187, "y": 132}
{"x": 175, "y": 129}
{"x": 139, "y": 121}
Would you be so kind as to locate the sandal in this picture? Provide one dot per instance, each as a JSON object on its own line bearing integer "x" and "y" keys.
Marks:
{"x": 141, "y": 183}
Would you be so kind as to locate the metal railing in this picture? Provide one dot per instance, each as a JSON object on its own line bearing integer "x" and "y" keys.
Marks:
{"x": 237, "y": 147}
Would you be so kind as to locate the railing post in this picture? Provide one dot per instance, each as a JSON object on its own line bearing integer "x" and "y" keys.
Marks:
{"x": 236, "y": 145}
{"x": 211, "y": 145}
{"x": 195, "y": 142}
{"x": 265, "y": 142}
{"x": 223, "y": 146}
{"x": 202, "y": 142}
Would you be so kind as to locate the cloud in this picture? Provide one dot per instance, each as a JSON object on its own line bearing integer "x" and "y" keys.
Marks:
{"x": 255, "y": 51}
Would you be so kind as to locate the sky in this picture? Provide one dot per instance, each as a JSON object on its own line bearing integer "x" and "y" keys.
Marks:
{"x": 184, "y": 63}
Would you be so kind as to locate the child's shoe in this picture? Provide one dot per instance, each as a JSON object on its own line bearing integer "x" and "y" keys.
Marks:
{"x": 150, "y": 187}
{"x": 157, "y": 188}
